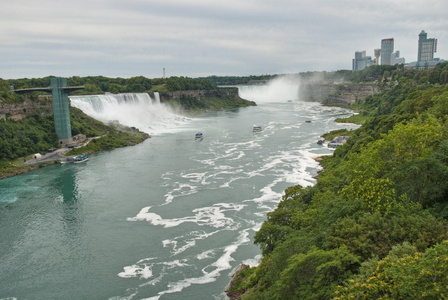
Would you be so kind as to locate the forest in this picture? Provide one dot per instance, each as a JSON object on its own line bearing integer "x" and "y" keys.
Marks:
{"x": 375, "y": 224}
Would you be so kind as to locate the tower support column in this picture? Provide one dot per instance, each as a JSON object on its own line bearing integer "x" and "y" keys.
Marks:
{"x": 61, "y": 110}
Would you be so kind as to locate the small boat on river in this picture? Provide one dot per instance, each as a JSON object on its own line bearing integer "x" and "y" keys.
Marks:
{"x": 256, "y": 128}
{"x": 198, "y": 136}
{"x": 79, "y": 159}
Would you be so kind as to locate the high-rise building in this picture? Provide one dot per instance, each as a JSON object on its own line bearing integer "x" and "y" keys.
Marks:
{"x": 426, "y": 47}
{"x": 361, "y": 61}
{"x": 387, "y": 47}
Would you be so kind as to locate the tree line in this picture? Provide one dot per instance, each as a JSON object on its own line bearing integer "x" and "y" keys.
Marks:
{"x": 100, "y": 85}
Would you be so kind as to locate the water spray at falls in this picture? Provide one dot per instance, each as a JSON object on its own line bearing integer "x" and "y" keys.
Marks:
{"x": 132, "y": 109}
{"x": 280, "y": 89}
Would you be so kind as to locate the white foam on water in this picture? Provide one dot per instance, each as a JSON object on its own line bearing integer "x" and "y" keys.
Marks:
{"x": 135, "y": 270}
{"x": 212, "y": 216}
{"x": 268, "y": 199}
{"x": 253, "y": 262}
{"x": 212, "y": 271}
{"x": 206, "y": 254}
{"x": 145, "y": 270}
{"x": 189, "y": 241}
{"x": 183, "y": 189}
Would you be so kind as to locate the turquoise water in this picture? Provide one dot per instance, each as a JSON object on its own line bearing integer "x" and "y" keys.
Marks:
{"x": 170, "y": 218}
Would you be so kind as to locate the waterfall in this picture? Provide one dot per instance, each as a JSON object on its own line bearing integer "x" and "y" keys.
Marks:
{"x": 157, "y": 97}
{"x": 281, "y": 89}
{"x": 132, "y": 109}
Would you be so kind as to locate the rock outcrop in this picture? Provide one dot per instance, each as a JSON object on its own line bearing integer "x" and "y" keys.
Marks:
{"x": 338, "y": 94}
{"x": 234, "y": 295}
{"x": 18, "y": 111}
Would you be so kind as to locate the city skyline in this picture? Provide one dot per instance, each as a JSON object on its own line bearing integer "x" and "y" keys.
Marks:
{"x": 426, "y": 49}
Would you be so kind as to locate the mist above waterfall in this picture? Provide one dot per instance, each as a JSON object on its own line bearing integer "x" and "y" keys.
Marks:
{"x": 132, "y": 109}
{"x": 280, "y": 89}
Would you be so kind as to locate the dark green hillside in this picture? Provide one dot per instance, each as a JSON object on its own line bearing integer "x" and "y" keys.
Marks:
{"x": 375, "y": 224}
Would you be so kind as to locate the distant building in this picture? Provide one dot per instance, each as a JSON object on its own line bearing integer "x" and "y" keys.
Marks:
{"x": 361, "y": 61}
{"x": 423, "y": 65}
{"x": 396, "y": 59}
{"x": 426, "y": 47}
{"x": 387, "y": 47}
{"x": 377, "y": 56}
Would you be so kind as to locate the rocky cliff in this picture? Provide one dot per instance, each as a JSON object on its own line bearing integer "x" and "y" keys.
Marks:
{"x": 18, "y": 111}
{"x": 338, "y": 94}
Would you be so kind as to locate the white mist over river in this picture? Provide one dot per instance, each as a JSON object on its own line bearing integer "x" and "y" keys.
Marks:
{"x": 167, "y": 219}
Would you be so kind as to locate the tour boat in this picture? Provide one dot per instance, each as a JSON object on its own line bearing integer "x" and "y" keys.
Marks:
{"x": 198, "y": 136}
{"x": 256, "y": 128}
{"x": 79, "y": 159}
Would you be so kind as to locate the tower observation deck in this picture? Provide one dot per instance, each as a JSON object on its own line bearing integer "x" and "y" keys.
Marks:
{"x": 61, "y": 109}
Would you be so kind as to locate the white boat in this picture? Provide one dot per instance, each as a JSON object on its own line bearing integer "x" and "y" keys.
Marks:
{"x": 79, "y": 159}
{"x": 198, "y": 136}
{"x": 256, "y": 128}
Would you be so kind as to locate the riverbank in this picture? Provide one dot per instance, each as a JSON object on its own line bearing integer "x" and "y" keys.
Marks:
{"x": 100, "y": 143}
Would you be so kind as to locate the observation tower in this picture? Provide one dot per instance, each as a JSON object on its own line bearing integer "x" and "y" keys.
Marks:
{"x": 377, "y": 55}
{"x": 61, "y": 108}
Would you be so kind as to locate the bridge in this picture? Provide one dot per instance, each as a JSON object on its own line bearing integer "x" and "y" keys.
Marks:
{"x": 61, "y": 110}
{"x": 48, "y": 89}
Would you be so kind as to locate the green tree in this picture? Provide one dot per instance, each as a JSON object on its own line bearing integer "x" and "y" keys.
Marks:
{"x": 414, "y": 276}
{"x": 316, "y": 274}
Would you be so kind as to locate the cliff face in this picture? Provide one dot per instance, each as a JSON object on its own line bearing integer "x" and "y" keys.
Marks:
{"x": 18, "y": 111}
{"x": 338, "y": 94}
{"x": 231, "y": 92}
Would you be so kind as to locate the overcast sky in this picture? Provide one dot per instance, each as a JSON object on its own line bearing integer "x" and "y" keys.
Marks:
{"x": 194, "y": 38}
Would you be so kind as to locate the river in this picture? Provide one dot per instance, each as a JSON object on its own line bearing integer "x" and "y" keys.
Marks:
{"x": 170, "y": 218}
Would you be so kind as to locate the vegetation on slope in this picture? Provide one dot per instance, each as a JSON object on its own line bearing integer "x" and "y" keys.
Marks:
{"x": 375, "y": 224}
{"x": 193, "y": 105}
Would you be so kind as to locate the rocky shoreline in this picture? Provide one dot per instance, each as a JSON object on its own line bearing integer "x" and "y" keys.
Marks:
{"x": 235, "y": 295}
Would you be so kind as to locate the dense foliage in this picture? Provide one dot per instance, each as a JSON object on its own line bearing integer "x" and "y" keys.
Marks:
{"x": 235, "y": 80}
{"x": 111, "y": 140}
{"x": 188, "y": 84}
{"x": 375, "y": 224}
{"x": 27, "y": 136}
{"x": 220, "y": 100}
